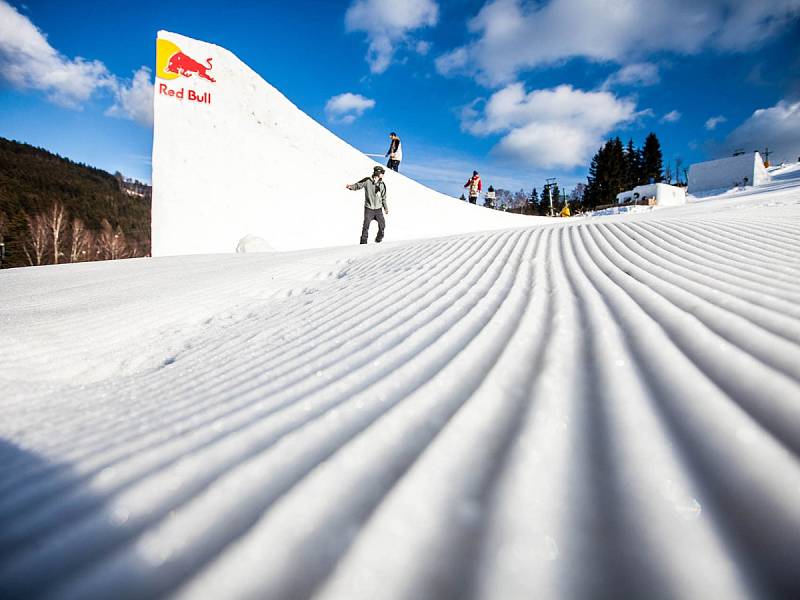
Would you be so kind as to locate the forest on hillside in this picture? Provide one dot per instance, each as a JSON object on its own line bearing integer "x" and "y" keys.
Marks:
{"x": 53, "y": 210}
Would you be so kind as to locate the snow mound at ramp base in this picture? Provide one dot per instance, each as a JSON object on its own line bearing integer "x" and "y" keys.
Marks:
{"x": 232, "y": 156}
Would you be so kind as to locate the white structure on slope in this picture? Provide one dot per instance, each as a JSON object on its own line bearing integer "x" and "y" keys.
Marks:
{"x": 726, "y": 173}
{"x": 233, "y": 157}
{"x": 661, "y": 193}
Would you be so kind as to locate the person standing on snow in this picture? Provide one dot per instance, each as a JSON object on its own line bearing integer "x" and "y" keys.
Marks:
{"x": 395, "y": 152}
{"x": 475, "y": 187}
{"x": 374, "y": 202}
{"x": 491, "y": 196}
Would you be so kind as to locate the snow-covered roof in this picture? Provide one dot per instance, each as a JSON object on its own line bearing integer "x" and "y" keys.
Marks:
{"x": 662, "y": 192}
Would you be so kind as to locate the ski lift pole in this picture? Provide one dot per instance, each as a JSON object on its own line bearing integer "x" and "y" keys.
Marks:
{"x": 550, "y": 182}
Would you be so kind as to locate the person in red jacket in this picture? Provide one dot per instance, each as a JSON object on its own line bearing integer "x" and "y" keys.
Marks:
{"x": 475, "y": 186}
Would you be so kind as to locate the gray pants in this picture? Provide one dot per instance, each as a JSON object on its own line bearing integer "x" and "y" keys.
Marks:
{"x": 369, "y": 215}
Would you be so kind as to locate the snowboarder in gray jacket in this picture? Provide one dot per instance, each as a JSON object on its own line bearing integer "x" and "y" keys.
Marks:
{"x": 374, "y": 202}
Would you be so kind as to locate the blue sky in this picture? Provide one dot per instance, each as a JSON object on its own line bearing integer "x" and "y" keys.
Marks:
{"x": 519, "y": 90}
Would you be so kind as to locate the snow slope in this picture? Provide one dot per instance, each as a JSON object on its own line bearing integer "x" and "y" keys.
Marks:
{"x": 599, "y": 407}
{"x": 249, "y": 162}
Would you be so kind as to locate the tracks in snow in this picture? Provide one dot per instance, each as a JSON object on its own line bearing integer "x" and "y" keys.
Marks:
{"x": 542, "y": 412}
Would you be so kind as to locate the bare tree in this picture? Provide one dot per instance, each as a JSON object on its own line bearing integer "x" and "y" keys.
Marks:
{"x": 3, "y": 229}
{"x": 56, "y": 220}
{"x": 37, "y": 228}
{"x": 133, "y": 248}
{"x": 111, "y": 243}
{"x": 678, "y": 170}
{"x": 81, "y": 240}
{"x": 91, "y": 251}
{"x": 519, "y": 199}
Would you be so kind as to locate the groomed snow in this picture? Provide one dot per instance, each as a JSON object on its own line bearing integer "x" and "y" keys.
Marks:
{"x": 599, "y": 407}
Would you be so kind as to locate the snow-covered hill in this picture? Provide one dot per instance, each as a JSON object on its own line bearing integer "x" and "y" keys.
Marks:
{"x": 599, "y": 407}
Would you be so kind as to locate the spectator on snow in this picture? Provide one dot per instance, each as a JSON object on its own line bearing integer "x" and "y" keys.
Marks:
{"x": 475, "y": 186}
{"x": 374, "y": 202}
{"x": 565, "y": 211}
{"x": 395, "y": 152}
{"x": 490, "y": 197}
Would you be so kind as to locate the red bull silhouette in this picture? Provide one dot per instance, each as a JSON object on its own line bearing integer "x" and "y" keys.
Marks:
{"x": 184, "y": 65}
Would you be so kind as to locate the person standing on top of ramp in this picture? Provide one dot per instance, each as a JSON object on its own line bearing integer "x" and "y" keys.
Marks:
{"x": 395, "y": 152}
{"x": 374, "y": 202}
{"x": 475, "y": 187}
{"x": 491, "y": 196}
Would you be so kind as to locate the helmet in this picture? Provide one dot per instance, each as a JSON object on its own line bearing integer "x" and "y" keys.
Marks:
{"x": 378, "y": 169}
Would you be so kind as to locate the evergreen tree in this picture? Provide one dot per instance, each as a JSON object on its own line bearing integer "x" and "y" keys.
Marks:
{"x": 652, "y": 160}
{"x": 633, "y": 166}
{"x": 607, "y": 175}
{"x": 617, "y": 169}
{"x": 591, "y": 194}
{"x": 556, "y": 193}
{"x": 534, "y": 203}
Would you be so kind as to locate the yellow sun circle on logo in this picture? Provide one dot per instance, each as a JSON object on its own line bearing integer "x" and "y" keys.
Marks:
{"x": 164, "y": 51}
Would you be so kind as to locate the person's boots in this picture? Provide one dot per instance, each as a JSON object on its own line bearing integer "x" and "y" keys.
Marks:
{"x": 378, "y": 238}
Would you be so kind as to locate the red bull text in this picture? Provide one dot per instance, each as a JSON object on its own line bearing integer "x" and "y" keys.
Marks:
{"x": 180, "y": 94}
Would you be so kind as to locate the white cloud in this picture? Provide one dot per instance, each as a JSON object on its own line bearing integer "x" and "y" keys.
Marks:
{"x": 712, "y": 123}
{"x": 637, "y": 74}
{"x": 558, "y": 127}
{"x": 513, "y": 35}
{"x": 346, "y": 108}
{"x": 671, "y": 117}
{"x": 422, "y": 47}
{"x": 386, "y": 23}
{"x": 29, "y": 62}
{"x": 777, "y": 127}
{"x": 135, "y": 100}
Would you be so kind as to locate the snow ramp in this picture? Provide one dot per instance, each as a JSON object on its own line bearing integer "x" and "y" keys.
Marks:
{"x": 232, "y": 157}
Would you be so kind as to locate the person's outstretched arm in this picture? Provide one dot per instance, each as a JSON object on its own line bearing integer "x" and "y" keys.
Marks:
{"x": 358, "y": 185}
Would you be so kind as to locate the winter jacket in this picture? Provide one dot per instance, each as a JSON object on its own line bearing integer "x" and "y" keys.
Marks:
{"x": 374, "y": 193}
{"x": 474, "y": 185}
{"x": 491, "y": 196}
{"x": 395, "y": 151}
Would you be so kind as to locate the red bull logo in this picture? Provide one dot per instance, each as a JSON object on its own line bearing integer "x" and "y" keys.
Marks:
{"x": 184, "y": 65}
{"x": 172, "y": 62}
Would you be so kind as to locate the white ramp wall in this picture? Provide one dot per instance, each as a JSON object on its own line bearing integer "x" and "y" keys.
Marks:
{"x": 726, "y": 173}
{"x": 233, "y": 157}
